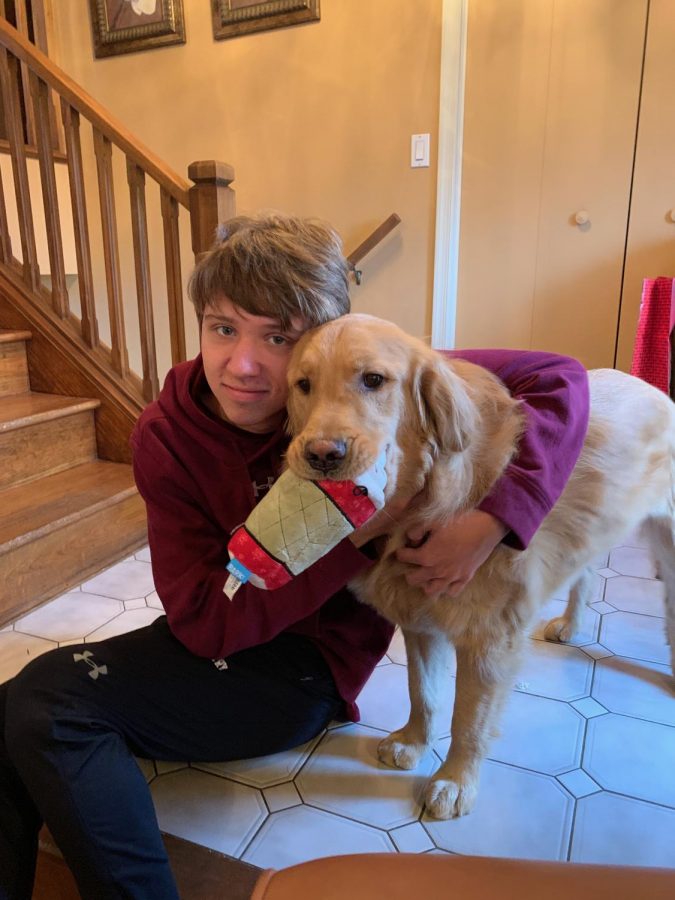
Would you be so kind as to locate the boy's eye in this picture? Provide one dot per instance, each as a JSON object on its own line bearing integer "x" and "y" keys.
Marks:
{"x": 225, "y": 330}
{"x": 279, "y": 340}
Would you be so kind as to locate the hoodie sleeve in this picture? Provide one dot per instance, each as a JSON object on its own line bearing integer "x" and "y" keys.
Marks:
{"x": 189, "y": 556}
{"x": 554, "y": 391}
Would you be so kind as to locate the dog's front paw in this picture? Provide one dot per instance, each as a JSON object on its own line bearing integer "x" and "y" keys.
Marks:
{"x": 399, "y": 751}
{"x": 448, "y": 799}
{"x": 559, "y": 629}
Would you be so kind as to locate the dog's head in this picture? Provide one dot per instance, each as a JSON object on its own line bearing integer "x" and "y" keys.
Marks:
{"x": 359, "y": 386}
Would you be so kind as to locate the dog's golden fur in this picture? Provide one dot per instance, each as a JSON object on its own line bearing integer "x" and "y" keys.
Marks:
{"x": 449, "y": 429}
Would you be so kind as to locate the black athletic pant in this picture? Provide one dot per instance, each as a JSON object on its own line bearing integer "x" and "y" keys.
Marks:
{"x": 74, "y": 719}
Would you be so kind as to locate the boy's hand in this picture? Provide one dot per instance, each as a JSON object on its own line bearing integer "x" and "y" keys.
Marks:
{"x": 449, "y": 557}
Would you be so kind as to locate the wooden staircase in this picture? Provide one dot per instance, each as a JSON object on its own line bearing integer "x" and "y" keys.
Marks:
{"x": 65, "y": 514}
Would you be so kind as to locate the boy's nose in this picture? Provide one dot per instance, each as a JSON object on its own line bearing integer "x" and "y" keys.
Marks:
{"x": 243, "y": 359}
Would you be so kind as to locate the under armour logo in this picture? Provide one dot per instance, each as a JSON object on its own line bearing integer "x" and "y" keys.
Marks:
{"x": 95, "y": 670}
{"x": 258, "y": 488}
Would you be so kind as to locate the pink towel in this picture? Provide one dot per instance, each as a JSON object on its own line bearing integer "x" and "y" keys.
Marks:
{"x": 651, "y": 354}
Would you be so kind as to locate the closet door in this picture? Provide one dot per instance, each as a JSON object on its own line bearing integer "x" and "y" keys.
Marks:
{"x": 580, "y": 121}
{"x": 651, "y": 230}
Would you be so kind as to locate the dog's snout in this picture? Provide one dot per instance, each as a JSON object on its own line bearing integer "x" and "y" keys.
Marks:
{"x": 325, "y": 455}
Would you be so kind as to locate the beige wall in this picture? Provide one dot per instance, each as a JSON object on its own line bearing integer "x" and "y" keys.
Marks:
{"x": 315, "y": 119}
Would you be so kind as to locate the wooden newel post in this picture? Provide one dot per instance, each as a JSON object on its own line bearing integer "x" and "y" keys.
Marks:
{"x": 212, "y": 201}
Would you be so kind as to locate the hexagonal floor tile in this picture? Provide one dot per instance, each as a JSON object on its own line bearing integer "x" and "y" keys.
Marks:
{"x": 539, "y": 734}
{"x": 597, "y": 587}
{"x": 536, "y": 733}
{"x": 636, "y": 539}
{"x": 614, "y": 830}
{"x": 397, "y": 654}
{"x": 641, "y": 689}
{"x": 345, "y": 776}
{"x": 296, "y": 835}
{"x": 636, "y": 595}
{"x": 384, "y": 701}
{"x": 632, "y": 561}
{"x": 126, "y": 621}
{"x": 125, "y": 581}
{"x": 208, "y": 810}
{"x": 641, "y": 637}
{"x": 143, "y": 555}
{"x": 587, "y": 634}
{"x": 555, "y": 671}
{"x": 70, "y": 617}
{"x": 632, "y": 757}
{"x": 517, "y": 814}
{"x": 17, "y": 650}
{"x": 263, "y": 771}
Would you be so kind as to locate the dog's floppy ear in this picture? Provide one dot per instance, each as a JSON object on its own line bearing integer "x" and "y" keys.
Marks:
{"x": 446, "y": 413}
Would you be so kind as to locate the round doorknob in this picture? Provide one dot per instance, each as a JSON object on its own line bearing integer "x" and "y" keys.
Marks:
{"x": 582, "y": 217}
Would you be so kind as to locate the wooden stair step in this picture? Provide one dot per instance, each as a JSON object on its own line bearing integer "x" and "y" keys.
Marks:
{"x": 20, "y": 410}
{"x": 30, "y": 511}
{"x": 44, "y": 433}
{"x": 8, "y": 335}
{"x": 64, "y": 528}
{"x": 13, "y": 362}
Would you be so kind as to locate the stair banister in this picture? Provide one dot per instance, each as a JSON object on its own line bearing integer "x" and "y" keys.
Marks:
{"x": 207, "y": 197}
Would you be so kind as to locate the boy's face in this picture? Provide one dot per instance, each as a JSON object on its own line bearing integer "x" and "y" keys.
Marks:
{"x": 245, "y": 361}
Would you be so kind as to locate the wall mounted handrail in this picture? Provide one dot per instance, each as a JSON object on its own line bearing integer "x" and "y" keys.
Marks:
{"x": 370, "y": 243}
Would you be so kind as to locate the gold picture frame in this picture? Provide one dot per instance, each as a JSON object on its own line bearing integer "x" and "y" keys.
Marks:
{"x": 232, "y": 18}
{"x": 126, "y": 26}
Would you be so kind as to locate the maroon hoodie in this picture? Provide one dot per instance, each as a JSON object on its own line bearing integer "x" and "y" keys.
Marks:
{"x": 200, "y": 477}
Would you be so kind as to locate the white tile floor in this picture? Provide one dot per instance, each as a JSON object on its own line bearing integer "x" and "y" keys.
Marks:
{"x": 584, "y": 769}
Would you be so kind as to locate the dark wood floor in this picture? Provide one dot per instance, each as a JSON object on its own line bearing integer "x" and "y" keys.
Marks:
{"x": 201, "y": 874}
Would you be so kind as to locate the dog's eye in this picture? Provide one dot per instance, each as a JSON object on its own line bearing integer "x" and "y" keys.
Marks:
{"x": 373, "y": 380}
{"x": 303, "y": 384}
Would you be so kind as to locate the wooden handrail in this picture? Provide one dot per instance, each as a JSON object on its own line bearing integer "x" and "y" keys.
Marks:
{"x": 373, "y": 240}
{"x": 100, "y": 118}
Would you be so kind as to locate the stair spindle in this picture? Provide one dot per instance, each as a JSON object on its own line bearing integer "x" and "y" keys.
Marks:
{"x": 106, "y": 194}
{"x": 71, "y": 128}
{"x": 43, "y": 133}
{"x": 21, "y": 14}
{"x": 5, "y": 240}
{"x": 174, "y": 281}
{"x": 139, "y": 230}
{"x": 9, "y": 82}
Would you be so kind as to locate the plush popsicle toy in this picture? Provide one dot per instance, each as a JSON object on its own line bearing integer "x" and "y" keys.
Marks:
{"x": 296, "y": 523}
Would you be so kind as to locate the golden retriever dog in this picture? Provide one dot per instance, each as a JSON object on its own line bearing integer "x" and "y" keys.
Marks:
{"x": 360, "y": 386}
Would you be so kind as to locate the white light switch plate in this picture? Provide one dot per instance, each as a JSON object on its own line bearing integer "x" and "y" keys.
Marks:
{"x": 419, "y": 150}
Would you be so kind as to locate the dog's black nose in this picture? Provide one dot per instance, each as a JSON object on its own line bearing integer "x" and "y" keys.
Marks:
{"x": 325, "y": 455}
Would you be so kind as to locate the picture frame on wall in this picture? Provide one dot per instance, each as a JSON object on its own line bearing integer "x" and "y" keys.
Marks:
{"x": 126, "y": 26}
{"x": 232, "y": 18}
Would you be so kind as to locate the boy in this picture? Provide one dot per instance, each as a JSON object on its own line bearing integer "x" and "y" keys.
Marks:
{"x": 217, "y": 679}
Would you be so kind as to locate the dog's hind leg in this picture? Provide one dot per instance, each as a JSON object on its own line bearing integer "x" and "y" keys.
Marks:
{"x": 483, "y": 676}
{"x": 429, "y": 679}
{"x": 563, "y": 628}
{"x": 660, "y": 532}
